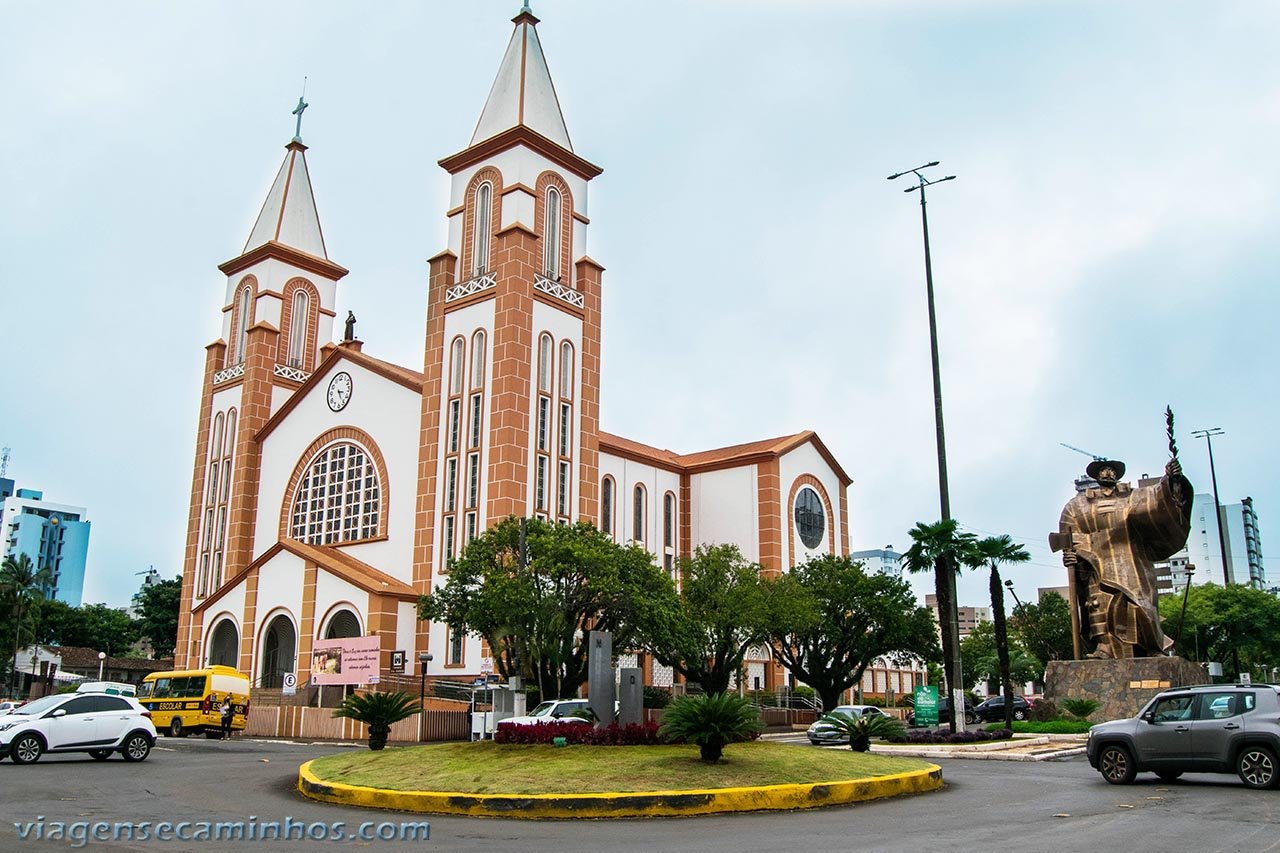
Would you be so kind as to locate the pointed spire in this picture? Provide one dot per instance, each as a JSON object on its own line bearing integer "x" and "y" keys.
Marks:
{"x": 289, "y": 215}
{"x": 522, "y": 93}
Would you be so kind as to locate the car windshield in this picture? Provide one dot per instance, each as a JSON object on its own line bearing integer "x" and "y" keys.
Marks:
{"x": 542, "y": 710}
{"x": 39, "y": 706}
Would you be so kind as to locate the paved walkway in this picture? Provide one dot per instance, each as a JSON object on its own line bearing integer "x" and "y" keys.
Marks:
{"x": 1021, "y": 748}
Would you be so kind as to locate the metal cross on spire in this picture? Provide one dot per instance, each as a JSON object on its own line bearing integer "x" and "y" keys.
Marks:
{"x": 298, "y": 111}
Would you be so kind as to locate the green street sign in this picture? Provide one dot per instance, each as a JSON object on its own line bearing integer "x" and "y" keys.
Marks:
{"x": 927, "y": 705}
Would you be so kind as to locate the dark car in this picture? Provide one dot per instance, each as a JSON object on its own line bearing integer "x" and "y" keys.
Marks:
{"x": 1214, "y": 728}
{"x": 992, "y": 710}
{"x": 944, "y": 713}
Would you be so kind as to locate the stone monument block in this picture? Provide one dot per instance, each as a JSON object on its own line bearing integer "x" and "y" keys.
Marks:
{"x": 630, "y": 696}
{"x": 1121, "y": 686}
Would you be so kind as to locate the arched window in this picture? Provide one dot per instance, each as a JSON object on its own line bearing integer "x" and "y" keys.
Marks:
{"x": 242, "y": 326}
{"x": 477, "y": 359}
{"x": 551, "y": 235}
{"x": 224, "y": 644}
{"x": 566, "y": 370}
{"x": 544, "y": 364}
{"x": 343, "y": 624}
{"x": 811, "y": 521}
{"x": 338, "y": 497}
{"x": 484, "y": 226}
{"x": 669, "y": 532}
{"x": 606, "y": 505}
{"x": 456, "y": 366}
{"x": 298, "y": 328}
{"x": 637, "y": 511}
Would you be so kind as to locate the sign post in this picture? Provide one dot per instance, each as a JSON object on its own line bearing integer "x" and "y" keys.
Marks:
{"x": 289, "y": 685}
{"x": 927, "y": 705}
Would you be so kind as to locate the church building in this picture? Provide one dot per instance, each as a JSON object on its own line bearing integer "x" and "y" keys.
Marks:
{"x": 331, "y": 488}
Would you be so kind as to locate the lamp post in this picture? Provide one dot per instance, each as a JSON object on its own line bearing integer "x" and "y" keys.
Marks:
{"x": 1186, "y": 591}
{"x": 948, "y": 582}
{"x": 1207, "y": 435}
{"x": 102, "y": 658}
{"x": 424, "y": 658}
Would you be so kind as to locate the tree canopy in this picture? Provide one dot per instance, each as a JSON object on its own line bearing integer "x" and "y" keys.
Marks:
{"x": 829, "y": 619}
{"x": 1044, "y": 628}
{"x": 704, "y": 629}
{"x": 536, "y": 613}
{"x": 982, "y": 657}
{"x": 158, "y": 606}
{"x": 1221, "y": 621}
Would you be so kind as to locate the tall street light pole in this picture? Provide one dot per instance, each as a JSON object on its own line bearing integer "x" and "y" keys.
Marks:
{"x": 1207, "y": 435}
{"x": 948, "y": 582}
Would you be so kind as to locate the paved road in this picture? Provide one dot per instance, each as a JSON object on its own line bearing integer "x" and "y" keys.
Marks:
{"x": 1006, "y": 804}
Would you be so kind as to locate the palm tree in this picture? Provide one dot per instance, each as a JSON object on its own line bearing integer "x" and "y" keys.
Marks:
{"x": 993, "y": 551}
{"x": 23, "y": 585}
{"x": 941, "y": 547}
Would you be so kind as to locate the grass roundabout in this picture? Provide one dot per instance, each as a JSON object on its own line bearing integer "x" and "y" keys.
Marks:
{"x": 488, "y": 779}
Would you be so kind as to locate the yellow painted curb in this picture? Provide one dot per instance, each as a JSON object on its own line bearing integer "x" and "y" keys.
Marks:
{"x": 639, "y": 804}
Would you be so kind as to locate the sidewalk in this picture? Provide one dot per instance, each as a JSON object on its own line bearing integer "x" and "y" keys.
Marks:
{"x": 1022, "y": 747}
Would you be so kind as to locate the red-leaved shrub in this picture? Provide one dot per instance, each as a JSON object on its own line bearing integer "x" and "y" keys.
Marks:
{"x": 643, "y": 734}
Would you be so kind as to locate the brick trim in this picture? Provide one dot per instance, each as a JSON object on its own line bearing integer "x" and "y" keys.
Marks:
{"x": 546, "y": 181}
{"x": 494, "y": 177}
{"x": 816, "y": 484}
{"x": 312, "y": 322}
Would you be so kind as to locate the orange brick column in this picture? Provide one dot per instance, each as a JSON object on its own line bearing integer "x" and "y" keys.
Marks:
{"x": 307, "y": 618}
{"x": 187, "y": 647}
{"x": 441, "y": 275}
{"x": 382, "y": 624}
{"x": 516, "y": 257}
{"x": 255, "y": 410}
{"x": 249, "y": 625}
{"x": 589, "y": 283}
{"x": 769, "y": 492}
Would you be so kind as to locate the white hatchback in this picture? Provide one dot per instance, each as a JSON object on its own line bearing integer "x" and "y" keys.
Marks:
{"x": 96, "y": 723}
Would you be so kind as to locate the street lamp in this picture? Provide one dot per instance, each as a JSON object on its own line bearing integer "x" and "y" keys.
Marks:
{"x": 424, "y": 658}
{"x": 1207, "y": 435}
{"x": 102, "y": 657}
{"x": 948, "y": 581}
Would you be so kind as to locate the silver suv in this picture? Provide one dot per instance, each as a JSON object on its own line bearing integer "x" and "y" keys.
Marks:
{"x": 1214, "y": 728}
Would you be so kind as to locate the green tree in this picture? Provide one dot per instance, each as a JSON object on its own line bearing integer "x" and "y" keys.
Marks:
{"x": 1221, "y": 621}
{"x": 158, "y": 606}
{"x": 109, "y": 629}
{"x": 60, "y": 624}
{"x": 536, "y": 611}
{"x": 1044, "y": 629}
{"x": 22, "y": 587}
{"x": 940, "y": 548}
{"x": 829, "y": 619}
{"x": 982, "y": 657}
{"x": 993, "y": 551}
{"x": 703, "y": 630}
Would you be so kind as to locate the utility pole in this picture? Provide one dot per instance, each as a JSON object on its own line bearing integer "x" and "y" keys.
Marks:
{"x": 948, "y": 582}
{"x": 1207, "y": 435}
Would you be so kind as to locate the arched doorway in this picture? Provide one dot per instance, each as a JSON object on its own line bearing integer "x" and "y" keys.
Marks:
{"x": 279, "y": 651}
{"x": 224, "y": 644}
{"x": 343, "y": 624}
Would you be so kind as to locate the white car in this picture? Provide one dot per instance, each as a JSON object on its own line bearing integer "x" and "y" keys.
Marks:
{"x": 7, "y": 706}
{"x": 95, "y": 723}
{"x": 553, "y": 711}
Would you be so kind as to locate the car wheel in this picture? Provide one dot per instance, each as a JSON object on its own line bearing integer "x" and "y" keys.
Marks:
{"x": 1169, "y": 775}
{"x": 1019, "y": 714}
{"x": 26, "y": 749}
{"x": 971, "y": 719}
{"x": 99, "y": 754}
{"x": 1116, "y": 765}
{"x": 137, "y": 747}
{"x": 175, "y": 728}
{"x": 1257, "y": 767}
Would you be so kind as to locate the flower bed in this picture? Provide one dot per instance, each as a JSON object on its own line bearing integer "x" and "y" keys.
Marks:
{"x": 972, "y": 736}
{"x": 642, "y": 734}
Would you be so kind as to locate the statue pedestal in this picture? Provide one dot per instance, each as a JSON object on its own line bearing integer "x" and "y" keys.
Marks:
{"x": 1121, "y": 687}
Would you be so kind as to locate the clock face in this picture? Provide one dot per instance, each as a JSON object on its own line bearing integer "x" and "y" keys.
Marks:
{"x": 339, "y": 391}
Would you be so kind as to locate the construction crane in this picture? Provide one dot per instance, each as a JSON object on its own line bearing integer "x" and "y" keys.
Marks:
{"x": 1096, "y": 457}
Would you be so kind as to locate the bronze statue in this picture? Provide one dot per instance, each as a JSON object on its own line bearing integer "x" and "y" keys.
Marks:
{"x": 349, "y": 334}
{"x": 1110, "y": 537}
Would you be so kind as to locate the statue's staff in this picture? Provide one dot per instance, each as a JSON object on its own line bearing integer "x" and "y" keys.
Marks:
{"x": 1168, "y": 428}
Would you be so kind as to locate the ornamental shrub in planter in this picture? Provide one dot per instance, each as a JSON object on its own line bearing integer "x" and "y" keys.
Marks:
{"x": 586, "y": 734}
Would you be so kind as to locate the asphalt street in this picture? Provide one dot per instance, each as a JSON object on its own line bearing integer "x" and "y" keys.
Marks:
{"x": 1025, "y": 806}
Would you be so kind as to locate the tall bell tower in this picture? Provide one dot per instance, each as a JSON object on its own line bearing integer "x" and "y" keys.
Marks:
{"x": 277, "y": 309}
{"x": 510, "y": 408}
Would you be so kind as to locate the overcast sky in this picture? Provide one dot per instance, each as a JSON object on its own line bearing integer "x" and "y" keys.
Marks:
{"x": 1108, "y": 248}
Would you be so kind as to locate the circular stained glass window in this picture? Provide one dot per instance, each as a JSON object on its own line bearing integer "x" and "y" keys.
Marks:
{"x": 811, "y": 522}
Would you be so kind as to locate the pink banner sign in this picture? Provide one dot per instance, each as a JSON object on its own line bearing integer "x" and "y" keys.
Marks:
{"x": 351, "y": 660}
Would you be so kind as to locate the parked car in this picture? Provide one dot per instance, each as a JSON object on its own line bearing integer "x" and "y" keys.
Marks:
{"x": 95, "y": 723}
{"x": 1214, "y": 728}
{"x": 8, "y": 705}
{"x": 821, "y": 732}
{"x": 944, "y": 712}
{"x": 992, "y": 710}
{"x": 552, "y": 711}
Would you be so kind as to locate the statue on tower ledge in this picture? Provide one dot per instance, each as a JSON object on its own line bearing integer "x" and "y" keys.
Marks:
{"x": 1111, "y": 537}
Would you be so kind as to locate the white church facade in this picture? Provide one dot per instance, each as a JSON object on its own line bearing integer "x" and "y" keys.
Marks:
{"x": 331, "y": 488}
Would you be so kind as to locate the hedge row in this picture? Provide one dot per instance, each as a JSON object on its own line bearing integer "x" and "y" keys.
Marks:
{"x": 642, "y": 734}
{"x": 972, "y": 736}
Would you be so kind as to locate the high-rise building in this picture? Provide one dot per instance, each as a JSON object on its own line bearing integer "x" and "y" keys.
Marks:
{"x": 1203, "y": 551}
{"x": 1244, "y": 543}
{"x": 968, "y": 617}
{"x": 54, "y": 536}
{"x": 884, "y": 560}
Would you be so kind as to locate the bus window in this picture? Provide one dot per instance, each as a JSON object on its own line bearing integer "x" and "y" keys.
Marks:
{"x": 161, "y": 688}
{"x": 196, "y": 686}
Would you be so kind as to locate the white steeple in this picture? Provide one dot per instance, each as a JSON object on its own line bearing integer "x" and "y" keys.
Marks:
{"x": 289, "y": 215}
{"x": 523, "y": 93}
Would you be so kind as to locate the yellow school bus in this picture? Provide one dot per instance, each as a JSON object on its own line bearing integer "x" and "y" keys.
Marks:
{"x": 190, "y": 700}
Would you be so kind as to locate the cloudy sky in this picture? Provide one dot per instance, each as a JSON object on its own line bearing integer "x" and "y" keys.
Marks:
{"x": 1108, "y": 248}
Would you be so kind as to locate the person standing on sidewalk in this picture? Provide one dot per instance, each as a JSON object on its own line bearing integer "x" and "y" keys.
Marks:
{"x": 228, "y": 711}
